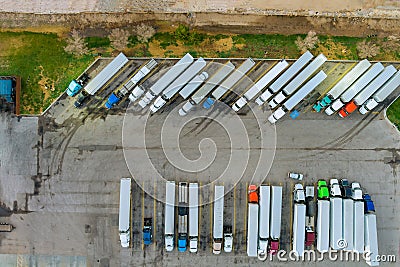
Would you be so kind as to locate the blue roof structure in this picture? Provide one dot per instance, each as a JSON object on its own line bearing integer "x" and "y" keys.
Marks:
{"x": 6, "y": 90}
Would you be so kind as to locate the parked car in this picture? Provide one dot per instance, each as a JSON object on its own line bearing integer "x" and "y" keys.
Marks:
{"x": 323, "y": 191}
{"x": 296, "y": 176}
{"x": 346, "y": 188}
{"x": 368, "y": 204}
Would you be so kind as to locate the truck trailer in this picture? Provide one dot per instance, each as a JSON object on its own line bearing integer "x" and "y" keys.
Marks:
{"x": 355, "y": 88}
{"x": 166, "y": 79}
{"x": 382, "y": 94}
{"x": 193, "y": 216}
{"x": 323, "y": 225}
{"x": 299, "y": 220}
{"x": 125, "y": 212}
{"x": 263, "y": 233}
{"x": 183, "y": 213}
{"x": 229, "y": 82}
{"x": 193, "y": 85}
{"x": 342, "y": 85}
{"x": 206, "y": 88}
{"x": 336, "y": 219}
{"x": 276, "y": 212}
{"x": 169, "y": 223}
{"x": 297, "y": 81}
{"x": 310, "y": 215}
{"x": 348, "y": 224}
{"x": 371, "y": 239}
{"x": 358, "y": 227}
{"x": 285, "y": 77}
{"x": 178, "y": 84}
{"x": 252, "y": 230}
{"x": 260, "y": 85}
{"x": 367, "y": 92}
{"x": 218, "y": 226}
{"x": 297, "y": 97}
{"x": 106, "y": 74}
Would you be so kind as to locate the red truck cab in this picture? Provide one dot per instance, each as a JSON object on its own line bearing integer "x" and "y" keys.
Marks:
{"x": 253, "y": 194}
{"x": 347, "y": 109}
{"x": 273, "y": 247}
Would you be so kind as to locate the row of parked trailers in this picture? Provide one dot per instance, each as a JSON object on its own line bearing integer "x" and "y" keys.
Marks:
{"x": 283, "y": 86}
{"x": 345, "y": 221}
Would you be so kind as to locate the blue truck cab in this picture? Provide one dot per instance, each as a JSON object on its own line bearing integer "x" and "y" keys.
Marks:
{"x": 208, "y": 103}
{"x": 322, "y": 104}
{"x": 73, "y": 88}
{"x": 112, "y": 100}
{"x": 368, "y": 204}
{"x": 147, "y": 231}
{"x": 182, "y": 243}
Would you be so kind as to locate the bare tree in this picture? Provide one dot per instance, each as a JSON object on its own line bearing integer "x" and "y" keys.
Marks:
{"x": 76, "y": 44}
{"x": 367, "y": 50}
{"x": 308, "y": 43}
{"x": 119, "y": 39}
{"x": 144, "y": 32}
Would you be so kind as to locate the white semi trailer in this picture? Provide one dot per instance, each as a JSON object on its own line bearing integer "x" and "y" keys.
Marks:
{"x": 193, "y": 216}
{"x": 218, "y": 226}
{"x": 348, "y": 223}
{"x": 264, "y": 225}
{"x": 169, "y": 223}
{"x": 125, "y": 212}
{"x": 299, "y": 228}
{"x": 260, "y": 85}
{"x": 382, "y": 94}
{"x": 371, "y": 239}
{"x": 358, "y": 230}
{"x": 166, "y": 79}
{"x": 276, "y": 212}
{"x": 323, "y": 225}
{"x": 206, "y": 88}
{"x": 336, "y": 219}
{"x": 252, "y": 230}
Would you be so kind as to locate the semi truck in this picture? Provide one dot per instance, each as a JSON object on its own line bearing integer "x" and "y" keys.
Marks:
{"x": 193, "y": 216}
{"x": 284, "y": 78}
{"x": 260, "y": 85}
{"x": 76, "y": 85}
{"x": 252, "y": 222}
{"x": 206, "y": 88}
{"x": 342, "y": 85}
{"x": 228, "y": 238}
{"x": 166, "y": 80}
{"x": 183, "y": 213}
{"x": 228, "y": 83}
{"x": 297, "y": 81}
{"x": 371, "y": 239}
{"x": 218, "y": 225}
{"x": 355, "y": 88}
{"x": 147, "y": 231}
{"x": 193, "y": 85}
{"x": 336, "y": 216}
{"x": 367, "y": 92}
{"x": 106, "y": 74}
{"x": 115, "y": 97}
{"x": 358, "y": 227}
{"x": 381, "y": 94}
{"x": 299, "y": 220}
{"x": 125, "y": 212}
{"x": 295, "y": 99}
{"x": 276, "y": 212}
{"x": 323, "y": 225}
{"x": 310, "y": 215}
{"x": 263, "y": 233}
{"x": 178, "y": 84}
{"x": 169, "y": 223}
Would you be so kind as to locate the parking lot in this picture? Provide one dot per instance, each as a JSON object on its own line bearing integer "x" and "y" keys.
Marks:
{"x": 70, "y": 162}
